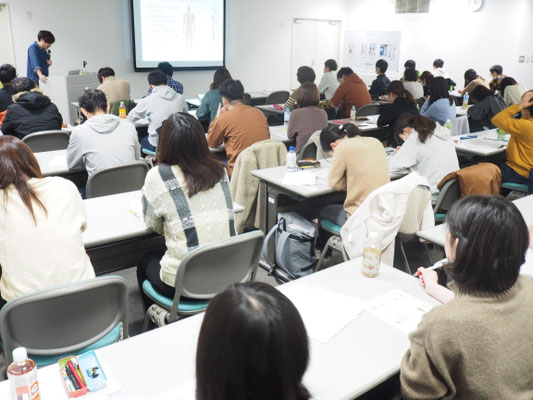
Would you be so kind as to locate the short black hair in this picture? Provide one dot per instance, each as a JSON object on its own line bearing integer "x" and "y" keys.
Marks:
{"x": 410, "y": 75}
{"x": 382, "y": 65}
{"x": 344, "y": 71}
{"x": 22, "y": 84}
{"x": 157, "y": 78}
{"x": 7, "y": 73}
{"x": 496, "y": 68}
{"x": 410, "y": 64}
{"x": 331, "y": 64}
{"x": 470, "y": 75}
{"x": 166, "y": 68}
{"x": 480, "y": 93}
{"x": 93, "y": 100}
{"x": 438, "y": 63}
{"x": 232, "y": 90}
{"x": 104, "y": 73}
{"x": 335, "y": 132}
{"x": 305, "y": 74}
{"x": 493, "y": 239}
{"x": 47, "y": 36}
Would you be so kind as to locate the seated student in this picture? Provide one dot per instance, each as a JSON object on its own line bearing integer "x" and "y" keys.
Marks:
{"x": 438, "y": 69}
{"x": 440, "y": 106}
{"x": 411, "y": 64}
{"x": 104, "y": 140}
{"x": 186, "y": 198}
{"x": 304, "y": 74}
{"x": 519, "y": 152}
{"x": 472, "y": 80}
{"x": 478, "y": 345}
{"x": 401, "y": 102}
{"x": 212, "y": 99}
{"x": 114, "y": 89}
{"x": 238, "y": 126}
{"x": 379, "y": 85}
{"x": 352, "y": 91}
{"x": 251, "y": 331}
{"x": 411, "y": 84}
{"x": 168, "y": 70}
{"x": 157, "y": 107}
{"x": 486, "y": 105}
{"x": 307, "y": 117}
{"x": 328, "y": 83}
{"x": 427, "y": 149}
{"x": 496, "y": 71}
{"x": 359, "y": 167}
{"x": 511, "y": 91}
{"x": 31, "y": 111}
{"x": 42, "y": 224}
{"x": 7, "y": 74}
{"x": 425, "y": 79}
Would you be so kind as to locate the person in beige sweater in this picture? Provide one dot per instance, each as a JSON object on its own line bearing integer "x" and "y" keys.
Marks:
{"x": 359, "y": 167}
{"x": 479, "y": 344}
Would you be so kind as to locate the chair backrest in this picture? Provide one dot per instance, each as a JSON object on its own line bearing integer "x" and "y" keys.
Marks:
{"x": 247, "y": 99}
{"x": 449, "y": 194}
{"x": 369, "y": 109}
{"x": 279, "y": 97}
{"x": 414, "y": 211}
{"x": 209, "y": 269}
{"x": 47, "y": 140}
{"x": 66, "y": 318}
{"x": 121, "y": 178}
{"x": 308, "y": 151}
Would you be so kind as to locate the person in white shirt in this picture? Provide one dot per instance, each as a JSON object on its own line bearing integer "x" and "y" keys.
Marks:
{"x": 511, "y": 91}
{"x": 42, "y": 221}
{"x": 427, "y": 149}
{"x": 438, "y": 69}
{"x": 104, "y": 140}
{"x": 328, "y": 83}
{"x": 157, "y": 107}
{"x": 411, "y": 84}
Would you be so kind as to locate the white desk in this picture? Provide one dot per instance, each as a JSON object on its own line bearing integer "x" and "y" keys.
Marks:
{"x": 278, "y": 133}
{"x": 364, "y": 125}
{"x": 194, "y": 102}
{"x": 52, "y": 162}
{"x": 362, "y": 355}
{"x": 483, "y": 143}
{"x": 460, "y": 111}
{"x": 270, "y": 109}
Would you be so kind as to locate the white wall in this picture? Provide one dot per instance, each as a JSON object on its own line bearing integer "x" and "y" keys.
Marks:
{"x": 497, "y": 34}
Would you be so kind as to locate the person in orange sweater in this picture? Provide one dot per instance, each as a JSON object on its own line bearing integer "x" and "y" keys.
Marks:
{"x": 519, "y": 165}
{"x": 351, "y": 92}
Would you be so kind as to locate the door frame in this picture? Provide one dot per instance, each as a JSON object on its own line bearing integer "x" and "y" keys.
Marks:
{"x": 9, "y": 41}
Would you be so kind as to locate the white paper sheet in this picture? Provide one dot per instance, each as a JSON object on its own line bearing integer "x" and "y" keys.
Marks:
{"x": 315, "y": 306}
{"x": 185, "y": 391}
{"x": 58, "y": 161}
{"x": 299, "y": 178}
{"x": 398, "y": 309}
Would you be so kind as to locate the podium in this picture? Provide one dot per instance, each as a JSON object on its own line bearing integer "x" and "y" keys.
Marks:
{"x": 65, "y": 90}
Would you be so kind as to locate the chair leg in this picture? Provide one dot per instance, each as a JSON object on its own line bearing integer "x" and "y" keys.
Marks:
{"x": 322, "y": 256}
{"x": 407, "y": 266}
{"x": 428, "y": 253}
{"x": 157, "y": 315}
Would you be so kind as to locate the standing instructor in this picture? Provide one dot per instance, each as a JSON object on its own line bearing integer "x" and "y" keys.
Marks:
{"x": 39, "y": 57}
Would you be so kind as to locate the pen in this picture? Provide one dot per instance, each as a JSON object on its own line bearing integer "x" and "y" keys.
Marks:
{"x": 68, "y": 372}
{"x": 435, "y": 266}
{"x": 75, "y": 374}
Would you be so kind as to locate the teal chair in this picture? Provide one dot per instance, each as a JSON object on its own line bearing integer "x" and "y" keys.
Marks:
{"x": 448, "y": 195}
{"x": 66, "y": 320}
{"x": 202, "y": 274}
{"x": 515, "y": 187}
{"x": 334, "y": 242}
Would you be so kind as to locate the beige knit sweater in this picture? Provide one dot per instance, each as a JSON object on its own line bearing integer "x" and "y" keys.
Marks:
{"x": 478, "y": 346}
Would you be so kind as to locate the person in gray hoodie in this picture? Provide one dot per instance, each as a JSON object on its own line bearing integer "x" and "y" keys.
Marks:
{"x": 104, "y": 140}
{"x": 157, "y": 107}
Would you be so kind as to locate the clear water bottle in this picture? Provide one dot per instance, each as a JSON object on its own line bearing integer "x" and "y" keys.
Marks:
{"x": 353, "y": 113}
{"x": 286, "y": 117}
{"x": 291, "y": 159}
{"x": 466, "y": 97}
{"x": 371, "y": 256}
{"x": 122, "y": 110}
{"x": 22, "y": 375}
{"x": 448, "y": 124}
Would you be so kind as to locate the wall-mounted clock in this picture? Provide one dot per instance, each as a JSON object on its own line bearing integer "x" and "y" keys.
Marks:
{"x": 475, "y": 5}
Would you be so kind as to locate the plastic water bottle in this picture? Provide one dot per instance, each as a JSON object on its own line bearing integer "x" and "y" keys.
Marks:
{"x": 448, "y": 124}
{"x": 353, "y": 113}
{"x": 466, "y": 97}
{"x": 22, "y": 375}
{"x": 501, "y": 135}
{"x": 286, "y": 117}
{"x": 371, "y": 256}
{"x": 122, "y": 110}
{"x": 291, "y": 159}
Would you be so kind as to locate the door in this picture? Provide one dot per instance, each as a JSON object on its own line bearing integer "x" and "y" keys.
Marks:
{"x": 7, "y": 52}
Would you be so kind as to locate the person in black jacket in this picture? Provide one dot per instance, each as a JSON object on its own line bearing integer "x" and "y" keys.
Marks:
{"x": 401, "y": 102}
{"x": 379, "y": 85}
{"x": 7, "y": 74}
{"x": 31, "y": 112}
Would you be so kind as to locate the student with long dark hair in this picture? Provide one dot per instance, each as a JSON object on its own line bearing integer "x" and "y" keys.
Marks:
{"x": 478, "y": 344}
{"x": 472, "y": 80}
{"x": 42, "y": 224}
{"x": 186, "y": 198}
{"x": 252, "y": 345}
{"x": 211, "y": 100}
{"x": 440, "y": 106}
{"x": 486, "y": 105}
{"x": 425, "y": 79}
{"x": 511, "y": 91}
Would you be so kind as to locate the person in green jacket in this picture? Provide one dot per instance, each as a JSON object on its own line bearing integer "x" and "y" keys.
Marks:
{"x": 209, "y": 106}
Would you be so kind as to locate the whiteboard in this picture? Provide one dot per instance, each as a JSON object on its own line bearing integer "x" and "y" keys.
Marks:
{"x": 361, "y": 50}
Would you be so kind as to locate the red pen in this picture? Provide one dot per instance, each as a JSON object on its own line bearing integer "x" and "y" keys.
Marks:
{"x": 75, "y": 374}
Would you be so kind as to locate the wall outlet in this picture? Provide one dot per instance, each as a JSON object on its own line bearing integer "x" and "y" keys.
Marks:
{"x": 521, "y": 59}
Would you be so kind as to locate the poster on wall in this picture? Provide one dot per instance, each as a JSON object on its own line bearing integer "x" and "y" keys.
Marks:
{"x": 362, "y": 49}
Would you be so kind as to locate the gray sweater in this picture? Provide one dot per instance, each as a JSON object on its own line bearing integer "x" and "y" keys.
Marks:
{"x": 102, "y": 141}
